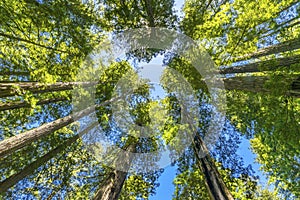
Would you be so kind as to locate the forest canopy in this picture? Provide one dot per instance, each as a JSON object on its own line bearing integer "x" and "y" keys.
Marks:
{"x": 98, "y": 98}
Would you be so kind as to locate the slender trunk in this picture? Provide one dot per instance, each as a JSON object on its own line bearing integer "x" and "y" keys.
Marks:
{"x": 278, "y": 48}
{"x": 30, "y": 42}
{"x": 14, "y": 143}
{"x": 213, "y": 181}
{"x": 282, "y": 26}
{"x": 9, "y": 89}
{"x": 15, "y": 105}
{"x": 267, "y": 65}
{"x": 29, "y": 169}
{"x": 111, "y": 188}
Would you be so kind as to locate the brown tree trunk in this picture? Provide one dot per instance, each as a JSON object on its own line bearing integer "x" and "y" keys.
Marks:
{"x": 278, "y": 48}
{"x": 8, "y": 89}
{"x": 15, "y": 105}
{"x": 257, "y": 84}
{"x": 267, "y": 65}
{"x": 11, "y": 144}
{"x": 213, "y": 180}
{"x": 29, "y": 169}
{"x": 111, "y": 188}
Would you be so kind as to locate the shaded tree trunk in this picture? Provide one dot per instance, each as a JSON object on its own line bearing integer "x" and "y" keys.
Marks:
{"x": 9, "y": 89}
{"x": 257, "y": 84}
{"x": 278, "y": 48}
{"x": 111, "y": 188}
{"x": 213, "y": 180}
{"x": 14, "y": 143}
{"x": 29, "y": 169}
{"x": 30, "y": 42}
{"x": 267, "y": 65}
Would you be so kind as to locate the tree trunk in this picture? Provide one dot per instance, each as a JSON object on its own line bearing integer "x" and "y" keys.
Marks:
{"x": 29, "y": 169}
{"x": 30, "y": 42}
{"x": 257, "y": 84}
{"x": 8, "y": 89}
{"x": 214, "y": 182}
{"x": 267, "y": 65}
{"x": 11, "y": 144}
{"x": 15, "y": 105}
{"x": 111, "y": 188}
{"x": 277, "y": 48}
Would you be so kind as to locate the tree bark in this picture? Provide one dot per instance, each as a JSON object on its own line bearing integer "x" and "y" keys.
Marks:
{"x": 111, "y": 188}
{"x": 14, "y": 143}
{"x": 7, "y": 89}
{"x": 267, "y": 65}
{"x": 214, "y": 182}
{"x": 15, "y": 105}
{"x": 257, "y": 84}
{"x": 29, "y": 169}
{"x": 277, "y": 48}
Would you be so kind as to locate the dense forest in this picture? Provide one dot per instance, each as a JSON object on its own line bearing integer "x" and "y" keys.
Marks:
{"x": 77, "y": 120}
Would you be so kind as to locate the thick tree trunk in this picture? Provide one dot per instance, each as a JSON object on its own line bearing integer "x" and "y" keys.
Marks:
{"x": 257, "y": 84}
{"x": 29, "y": 169}
{"x": 278, "y": 48}
{"x": 15, "y": 105}
{"x": 11, "y": 144}
{"x": 9, "y": 89}
{"x": 214, "y": 182}
{"x": 267, "y": 65}
{"x": 111, "y": 188}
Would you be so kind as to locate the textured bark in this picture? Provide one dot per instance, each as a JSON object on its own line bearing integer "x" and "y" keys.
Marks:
{"x": 257, "y": 84}
{"x": 111, "y": 188}
{"x": 29, "y": 169}
{"x": 213, "y": 181}
{"x": 15, "y": 105}
{"x": 278, "y": 48}
{"x": 8, "y": 89}
{"x": 267, "y": 65}
{"x": 11, "y": 144}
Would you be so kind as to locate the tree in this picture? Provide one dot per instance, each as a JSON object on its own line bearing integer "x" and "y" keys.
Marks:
{"x": 43, "y": 45}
